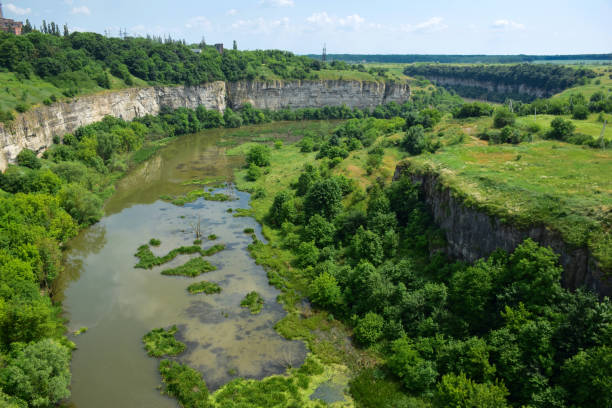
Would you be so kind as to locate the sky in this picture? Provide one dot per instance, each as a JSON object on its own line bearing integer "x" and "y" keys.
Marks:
{"x": 357, "y": 26}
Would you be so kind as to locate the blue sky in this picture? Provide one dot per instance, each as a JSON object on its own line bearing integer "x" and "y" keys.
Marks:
{"x": 358, "y": 26}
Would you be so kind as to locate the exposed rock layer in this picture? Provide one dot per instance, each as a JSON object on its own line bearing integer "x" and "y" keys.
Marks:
{"x": 35, "y": 129}
{"x": 472, "y": 234}
{"x": 493, "y": 86}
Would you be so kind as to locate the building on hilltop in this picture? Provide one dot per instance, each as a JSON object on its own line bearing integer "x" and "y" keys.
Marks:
{"x": 8, "y": 25}
{"x": 219, "y": 48}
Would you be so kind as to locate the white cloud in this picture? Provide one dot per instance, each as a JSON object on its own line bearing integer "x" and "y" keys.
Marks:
{"x": 354, "y": 21}
{"x": 17, "y": 10}
{"x": 277, "y": 3}
{"x": 261, "y": 25}
{"x": 232, "y": 12}
{"x": 199, "y": 22}
{"x": 81, "y": 10}
{"x": 429, "y": 26}
{"x": 507, "y": 25}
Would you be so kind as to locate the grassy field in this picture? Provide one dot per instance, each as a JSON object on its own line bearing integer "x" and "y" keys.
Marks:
{"x": 605, "y": 83}
{"x": 34, "y": 91}
{"x": 563, "y": 186}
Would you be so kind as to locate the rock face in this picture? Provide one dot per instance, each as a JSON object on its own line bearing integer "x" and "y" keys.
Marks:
{"x": 312, "y": 94}
{"x": 492, "y": 86}
{"x": 472, "y": 234}
{"x": 35, "y": 129}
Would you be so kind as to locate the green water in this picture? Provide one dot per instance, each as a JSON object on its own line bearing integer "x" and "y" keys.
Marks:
{"x": 119, "y": 304}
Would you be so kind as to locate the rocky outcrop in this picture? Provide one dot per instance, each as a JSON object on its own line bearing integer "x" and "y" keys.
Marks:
{"x": 35, "y": 129}
{"x": 312, "y": 94}
{"x": 492, "y": 86}
{"x": 472, "y": 234}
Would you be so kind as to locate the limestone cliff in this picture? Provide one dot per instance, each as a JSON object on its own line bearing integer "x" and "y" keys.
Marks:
{"x": 35, "y": 129}
{"x": 472, "y": 234}
{"x": 312, "y": 94}
{"x": 492, "y": 86}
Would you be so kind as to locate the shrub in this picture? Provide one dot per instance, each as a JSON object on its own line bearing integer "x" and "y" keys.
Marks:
{"x": 208, "y": 288}
{"x": 561, "y": 129}
{"x": 503, "y": 117}
{"x": 22, "y": 108}
{"x": 154, "y": 242}
{"x": 254, "y": 172}
{"x": 27, "y": 158}
{"x": 580, "y": 112}
{"x": 325, "y": 292}
{"x": 278, "y": 144}
{"x": 307, "y": 254}
{"x": 258, "y": 155}
{"x": 459, "y": 391}
{"x": 369, "y": 329}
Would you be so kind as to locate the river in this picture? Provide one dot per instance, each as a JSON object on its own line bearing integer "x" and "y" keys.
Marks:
{"x": 119, "y": 304}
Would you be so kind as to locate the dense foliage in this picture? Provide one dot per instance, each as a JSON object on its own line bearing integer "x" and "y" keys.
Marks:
{"x": 460, "y": 59}
{"x": 501, "y": 332}
{"x": 508, "y": 81}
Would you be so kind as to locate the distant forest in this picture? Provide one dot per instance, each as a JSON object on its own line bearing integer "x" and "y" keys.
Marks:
{"x": 460, "y": 59}
{"x": 519, "y": 81}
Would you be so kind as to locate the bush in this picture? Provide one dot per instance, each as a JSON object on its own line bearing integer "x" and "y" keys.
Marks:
{"x": 254, "y": 172}
{"x": 458, "y": 391}
{"x": 415, "y": 141}
{"x": 561, "y": 129}
{"x": 307, "y": 255}
{"x": 580, "y": 112}
{"x": 503, "y": 117}
{"x": 325, "y": 292}
{"x": 22, "y": 108}
{"x": 27, "y": 158}
{"x": 258, "y": 155}
{"x": 369, "y": 329}
{"x": 84, "y": 206}
{"x": 185, "y": 384}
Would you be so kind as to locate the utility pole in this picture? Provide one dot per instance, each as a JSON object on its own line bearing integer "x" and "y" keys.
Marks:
{"x": 602, "y": 138}
{"x": 324, "y": 56}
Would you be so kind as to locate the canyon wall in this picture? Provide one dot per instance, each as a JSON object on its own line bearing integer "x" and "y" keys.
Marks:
{"x": 492, "y": 86}
{"x": 35, "y": 129}
{"x": 471, "y": 234}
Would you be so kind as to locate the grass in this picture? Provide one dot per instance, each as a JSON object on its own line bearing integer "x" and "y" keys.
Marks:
{"x": 148, "y": 260}
{"x": 32, "y": 92}
{"x": 212, "y": 237}
{"x": 185, "y": 384}
{"x": 193, "y": 195}
{"x": 590, "y": 88}
{"x": 192, "y": 268}
{"x": 253, "y": 301}
{"x": 588, "y": 126}
{"x": 160, "y": 342}
{"x": 208, "y": 288}
{"x": 82, "y": 330}
{"x": 563, "y": 186}
{"x": 155, "y": 242}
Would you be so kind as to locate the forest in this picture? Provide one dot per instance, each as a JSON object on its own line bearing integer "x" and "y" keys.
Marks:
{"x": 460, "y": 59}
{"x": 546, "y": 78}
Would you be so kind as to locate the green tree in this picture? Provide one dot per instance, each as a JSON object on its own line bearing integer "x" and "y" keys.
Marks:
{"x": 588, "y": 377}
{"x": 38, "y": 373}
{"x": 254, "y": 172}
{"x": 84, "y": 206}
{"x": 458, "y": 391}
{"x": 307, "y": 254}
{"x": 580, "y": 112}
{"x": 325, "y": 292}
{"x": 369, "y": 329}
{"x": 259, "y": 155}
{"x": 324, "y": 198}
{"x": 282, "y": 209}
{"x": 503, "y": 117}
{"x": 320, "y": 231}
{"x": 561, "y": 129}
{"x": 416, "y": 373}
{"x": 366, "y": 245}
{"x": 27, "y": 158}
